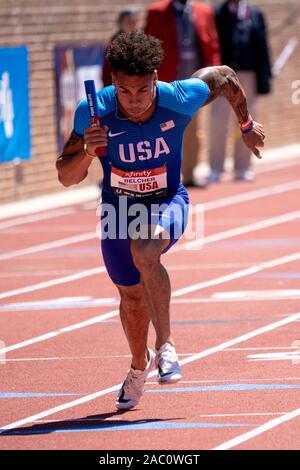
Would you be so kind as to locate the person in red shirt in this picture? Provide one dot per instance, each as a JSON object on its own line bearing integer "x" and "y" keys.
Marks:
{"x": 190, "y": 41}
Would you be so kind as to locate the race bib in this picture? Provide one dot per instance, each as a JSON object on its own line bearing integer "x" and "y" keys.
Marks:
{"x": 139, "y": 183}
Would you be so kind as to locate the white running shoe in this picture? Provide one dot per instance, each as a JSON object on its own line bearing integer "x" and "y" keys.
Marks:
{"x": 166, "y": 361}
{"x": 133, "y": 386}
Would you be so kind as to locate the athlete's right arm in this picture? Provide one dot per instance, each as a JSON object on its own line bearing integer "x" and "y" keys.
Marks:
{"x": 73, "y": 164}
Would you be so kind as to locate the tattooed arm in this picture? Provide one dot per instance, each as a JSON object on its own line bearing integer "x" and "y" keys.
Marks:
{"x": 222, "y": 80}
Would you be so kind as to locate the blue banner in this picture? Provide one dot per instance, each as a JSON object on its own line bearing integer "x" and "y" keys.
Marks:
{"x": 74, "y": 65}
{"x": 14, "y": 105}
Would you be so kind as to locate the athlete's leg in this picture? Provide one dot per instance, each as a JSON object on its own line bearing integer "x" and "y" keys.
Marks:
{"x": 135, "y": 267}
{"x": 156, "y": 285}
{"x": 135, "y": 322}
{"x": 168, "y": 222}
{"x": 157, "y": 292}
{"x": 124, "y": 274}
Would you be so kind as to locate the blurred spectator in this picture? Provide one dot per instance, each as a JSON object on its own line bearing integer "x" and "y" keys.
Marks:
{"x": 189, "y": 39}
{"x": 129, "y": 20}
{"x": 244, "y": 47}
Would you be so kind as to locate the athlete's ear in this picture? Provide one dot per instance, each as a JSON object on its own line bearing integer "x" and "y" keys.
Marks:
{"x": 113, "y": 79}
{"x": 155, "y": 76}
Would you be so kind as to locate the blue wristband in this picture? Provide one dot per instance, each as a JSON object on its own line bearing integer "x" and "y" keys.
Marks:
{"x": 246, "y": 131}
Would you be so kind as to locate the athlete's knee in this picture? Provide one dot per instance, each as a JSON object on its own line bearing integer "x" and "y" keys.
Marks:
{"x": 131, "y": 298}
{"x": 146, "y": 254}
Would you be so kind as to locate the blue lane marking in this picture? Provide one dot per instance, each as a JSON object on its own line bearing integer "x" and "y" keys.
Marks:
{"x": 264, "y": 243}
{"x": 31, "y": 395}
{"x": 128, "y": 427}
{"x": 224, "y": 388}
{"x": 278, "y": 275}
{"x": 208, "y": 388}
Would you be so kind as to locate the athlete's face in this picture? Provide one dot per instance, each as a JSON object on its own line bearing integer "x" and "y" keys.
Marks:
{"x": 135, "y": 93}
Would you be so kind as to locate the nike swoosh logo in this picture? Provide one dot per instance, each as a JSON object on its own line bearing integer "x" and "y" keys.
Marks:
{"x": 110, "y": 134}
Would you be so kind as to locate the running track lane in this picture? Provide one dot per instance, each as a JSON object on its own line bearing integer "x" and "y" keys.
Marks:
{"x": 203, "y": 330}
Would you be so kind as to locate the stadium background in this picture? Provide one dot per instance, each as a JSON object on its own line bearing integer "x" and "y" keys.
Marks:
{"x": 42, "y": 25}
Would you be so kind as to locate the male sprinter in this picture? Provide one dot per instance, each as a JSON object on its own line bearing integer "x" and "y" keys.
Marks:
{"x": 143, "y": 123}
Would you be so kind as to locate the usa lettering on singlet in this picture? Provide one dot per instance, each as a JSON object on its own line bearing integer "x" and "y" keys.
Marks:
{"x": 144, "y": 159}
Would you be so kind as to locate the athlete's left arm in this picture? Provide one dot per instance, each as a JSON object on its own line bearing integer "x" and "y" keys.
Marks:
{"x": 222, "y": 80}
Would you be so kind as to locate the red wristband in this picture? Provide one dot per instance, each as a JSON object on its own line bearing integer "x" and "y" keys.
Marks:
{"x": 244, "y": 126}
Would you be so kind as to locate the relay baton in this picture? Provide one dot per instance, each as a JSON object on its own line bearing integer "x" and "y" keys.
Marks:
{"x": 93, "y": 110}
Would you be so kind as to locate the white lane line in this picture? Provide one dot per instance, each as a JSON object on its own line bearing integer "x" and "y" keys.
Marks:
{"x": 114, "y": 388}
{"x": 237, "y": 274}
{"x": 240, "y": 339}
{"x": 48, "y": 245}
{"x": 257, "y": 431}
{"x": 110, "y": 302}
{"x": 265, "y": 223}
{"x": 67, "y": 329}
{"x": 35, "y": 218}
{"x": 258, "y": 294}
{"x": 180, "y": 292}
{"x": 291, "y": 216}
{"x": 291, "y": 356}
{"x": 251, "y": 195}
{"x": 60, "y": 303}
{"x": 65, "y": 358}
{"x": 72, "y": 358}
{"x": 52, "y": 272}
{"x": 53, "y": 282}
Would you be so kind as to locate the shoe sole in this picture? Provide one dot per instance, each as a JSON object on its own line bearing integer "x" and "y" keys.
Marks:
{"x": 170, "y": 380}
{"x": 126, "y": 406}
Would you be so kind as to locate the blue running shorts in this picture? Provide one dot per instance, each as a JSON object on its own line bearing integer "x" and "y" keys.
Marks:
{"x": 171, "y": 213}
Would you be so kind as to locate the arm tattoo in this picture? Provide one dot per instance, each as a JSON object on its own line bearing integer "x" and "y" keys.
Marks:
{"x": 222, "y": 80}
{"x": 72, "y": 146}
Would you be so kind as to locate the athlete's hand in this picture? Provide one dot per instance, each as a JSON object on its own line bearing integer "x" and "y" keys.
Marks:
{"x": 95, "y": 137}
{"x": 255, "y": 138}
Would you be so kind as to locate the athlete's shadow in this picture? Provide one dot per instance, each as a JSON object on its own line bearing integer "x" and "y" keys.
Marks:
{"x": 89, "y": 423}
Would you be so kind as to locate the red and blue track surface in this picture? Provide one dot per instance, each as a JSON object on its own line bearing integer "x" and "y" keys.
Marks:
{"x": 235, "y": 313}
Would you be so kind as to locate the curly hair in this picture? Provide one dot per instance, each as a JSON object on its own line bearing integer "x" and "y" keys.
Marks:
{"x": 135, "y": 53}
